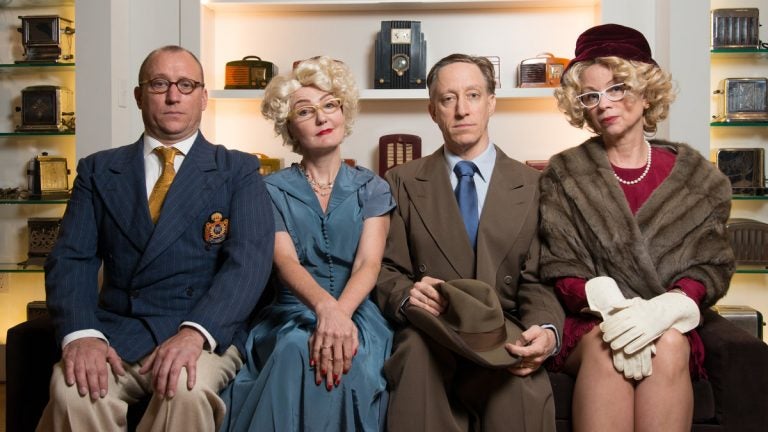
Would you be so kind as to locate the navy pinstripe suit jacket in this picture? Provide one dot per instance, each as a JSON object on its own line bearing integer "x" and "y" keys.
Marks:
{"x": 156, "y": 277}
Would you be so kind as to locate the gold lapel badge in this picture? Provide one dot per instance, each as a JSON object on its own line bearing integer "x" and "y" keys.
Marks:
{"x": 216, "y": 228}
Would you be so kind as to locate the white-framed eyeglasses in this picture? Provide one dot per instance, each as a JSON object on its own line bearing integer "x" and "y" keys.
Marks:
{"x": 306, "y": 112}
{"x": 162, "y": 85}
{"x": 614, "y": 93}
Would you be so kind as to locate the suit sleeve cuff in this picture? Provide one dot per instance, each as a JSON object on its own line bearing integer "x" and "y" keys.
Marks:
{"x": 558, "y": 341}
{"x": 210, "y": 342}
{"x": 80, "y": 334}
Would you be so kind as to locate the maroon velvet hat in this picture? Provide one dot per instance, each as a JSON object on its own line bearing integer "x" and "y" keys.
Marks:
{"x": 609, "y": 40}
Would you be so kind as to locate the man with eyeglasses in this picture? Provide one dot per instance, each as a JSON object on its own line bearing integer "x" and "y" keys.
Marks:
{"x": 183, "y": 232}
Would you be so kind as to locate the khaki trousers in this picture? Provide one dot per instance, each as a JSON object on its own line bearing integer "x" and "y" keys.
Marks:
{"x": 199, "y": 409}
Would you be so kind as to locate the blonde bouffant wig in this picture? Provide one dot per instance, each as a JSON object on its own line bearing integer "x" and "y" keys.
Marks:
{"x": 321, "y": 72}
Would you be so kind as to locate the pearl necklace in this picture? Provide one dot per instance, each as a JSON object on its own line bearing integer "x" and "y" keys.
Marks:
{"x": 645, "y": 171}
{"x": 322, "y": 189}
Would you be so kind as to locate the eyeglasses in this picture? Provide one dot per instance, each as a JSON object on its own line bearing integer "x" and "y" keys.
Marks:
{"x": 614, "y": 93}
{"x": 306, "y": 112}
{"x": 162, "y": 85}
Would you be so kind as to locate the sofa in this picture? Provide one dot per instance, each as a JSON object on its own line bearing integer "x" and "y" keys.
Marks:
{"x": 733, "y": 398}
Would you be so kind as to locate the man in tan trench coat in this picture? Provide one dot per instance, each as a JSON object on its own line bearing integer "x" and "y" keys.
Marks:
{"x": 431, "y": 387}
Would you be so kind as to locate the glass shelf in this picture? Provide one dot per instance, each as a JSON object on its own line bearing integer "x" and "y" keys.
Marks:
{"x": 40, "y": 133}
{"x": 751, "y": 269}
{"x": 17, "y": 268}
{"x": 27, "y": 65}
{"x": 739, "y": 123}
{"x": 29, "y": 201}
{"x": 750, "y": 197}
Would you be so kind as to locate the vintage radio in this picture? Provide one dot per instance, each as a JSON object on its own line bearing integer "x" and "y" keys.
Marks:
{"x": 749, "y": 241}
{"x": 397, "y": 149}
{"x": 41, "y": 38}
{"x": 496, "y": 62}
{"x": 249, "y": 73}
{"x": 544, "y": 70}
{"x": 46, "y": 108}
{"x": 735, "y": 28}
{"x": 42, "y": 233}
{"x": 47, "y": 177}
{"x": 742, "y": 99}
{"x": 744, "y": 167}
{"x": 401, "y": 56}
{"x": 744, "y": 317}
{"x": 268, "y": 164}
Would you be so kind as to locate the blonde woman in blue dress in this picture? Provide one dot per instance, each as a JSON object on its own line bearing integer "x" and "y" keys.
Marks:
{"x": 316, "y": 352}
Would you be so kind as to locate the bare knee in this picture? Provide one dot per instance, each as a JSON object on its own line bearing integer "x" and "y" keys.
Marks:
{"x": 672, "y": 354}
{"x": 593, "y": 353}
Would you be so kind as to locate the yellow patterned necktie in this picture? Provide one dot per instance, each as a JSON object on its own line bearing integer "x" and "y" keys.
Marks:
{"x": 156, "y": 198}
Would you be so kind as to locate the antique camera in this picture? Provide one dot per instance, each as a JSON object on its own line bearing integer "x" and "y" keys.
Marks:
{"x": 42, "y": 233}
{"x": 401, "y": 56}
{"x": 744, "y": 167}
{"x": 749, "y": 241}
{"x": 743, "y": 99}
{"x": 544, "y": 70}
{"x": 735, "y": 28}
{"x": 249, "y": 73}
{"x": 46, "y": 109}
{"x": 47, "y": 177}
{"x": 46, "y": 38}
{"x": 397, "y": 149}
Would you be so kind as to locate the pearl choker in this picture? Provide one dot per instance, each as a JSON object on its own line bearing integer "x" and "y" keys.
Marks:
{"x": 645, "y": 171}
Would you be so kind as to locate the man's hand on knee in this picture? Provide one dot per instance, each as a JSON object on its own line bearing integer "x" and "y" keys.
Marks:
{"x": 85, "y": 365}
{"x": 167, "y": 360}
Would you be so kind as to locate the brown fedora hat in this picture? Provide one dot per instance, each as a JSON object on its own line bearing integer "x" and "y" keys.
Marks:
{"x": 473, "y": 324}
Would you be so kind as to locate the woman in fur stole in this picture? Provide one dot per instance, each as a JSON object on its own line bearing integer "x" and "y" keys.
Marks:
{"x": 633, "y": 240}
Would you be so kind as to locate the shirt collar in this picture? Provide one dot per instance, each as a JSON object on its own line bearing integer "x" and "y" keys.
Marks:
{"x": 183, "y": 146}
{"x": 484, "y": 161}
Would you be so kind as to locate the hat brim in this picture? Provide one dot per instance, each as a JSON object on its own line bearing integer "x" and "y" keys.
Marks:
{"x": 497, "y": 357}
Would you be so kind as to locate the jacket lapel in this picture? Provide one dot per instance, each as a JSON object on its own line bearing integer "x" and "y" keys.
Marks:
{"x": 432, "y": 197}
{"x": 122, "y": 188}
{"x": 506, "y": 207}
{"x": 196, "y": 180}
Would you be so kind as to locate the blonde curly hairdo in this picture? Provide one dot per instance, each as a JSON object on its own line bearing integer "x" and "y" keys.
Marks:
{"x": 321, "y": 72}
{"x": 642, "y": 79}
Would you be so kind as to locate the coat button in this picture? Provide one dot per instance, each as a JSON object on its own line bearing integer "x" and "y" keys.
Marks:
{"x": 508, "y": 280}
{"x": 422, "y": 268}
{"x": 134, "y": 294}
{"x": 190, "y": 292}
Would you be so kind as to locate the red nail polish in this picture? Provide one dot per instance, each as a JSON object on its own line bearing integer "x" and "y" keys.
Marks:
{"x": 329, "y": 387}
{"x": 318, "y": 382}
{"x": 338, "y": 381}
{"x": 322, "y": 372}
{"x": 335, "y": 377}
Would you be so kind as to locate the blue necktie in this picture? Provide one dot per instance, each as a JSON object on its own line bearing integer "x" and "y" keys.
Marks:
{"x": 466, "y": 196}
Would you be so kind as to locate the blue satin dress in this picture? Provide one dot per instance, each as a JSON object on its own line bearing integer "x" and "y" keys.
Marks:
{"x": 275, "y": 390}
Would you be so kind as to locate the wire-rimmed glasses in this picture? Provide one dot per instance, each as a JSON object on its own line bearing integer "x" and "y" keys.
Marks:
{"x": 306, "y": 112}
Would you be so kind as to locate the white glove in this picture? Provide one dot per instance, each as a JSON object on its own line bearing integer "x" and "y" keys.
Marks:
{"x": 604, "y": 296}
{"x": 642, "y": 322}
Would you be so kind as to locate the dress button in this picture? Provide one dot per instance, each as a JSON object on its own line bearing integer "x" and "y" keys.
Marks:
{"x": 422, "y": 268}
{"x": 190, "y": 292}
{"x": 134, "y": 294}
{"x": 508, "y": 280}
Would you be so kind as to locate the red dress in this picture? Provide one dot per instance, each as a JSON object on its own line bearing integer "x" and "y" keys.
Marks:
{"x": 571, "y": 290}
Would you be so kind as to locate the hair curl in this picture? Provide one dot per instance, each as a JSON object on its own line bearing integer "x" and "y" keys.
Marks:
{"x": 322, "y": 72}
{"x": 643, "y": 79}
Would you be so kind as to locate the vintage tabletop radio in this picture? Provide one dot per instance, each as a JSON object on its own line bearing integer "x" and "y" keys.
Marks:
{"x": 397, "y": 149}
{"x": 401, "y": 56}
{"x": 735, "y": 28}
{"x": 47, "y": 177}
{"x": 743, "y": 99}
{"x": 544, "y": 70}
{"x": 46, "y": 38}
{"x": 42, "y": 234}
{"x": 249, "y": 73}
{"x": 744, "y": 167}
{"x": 749, "y": 241}
{"x": 46, "y": 108}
